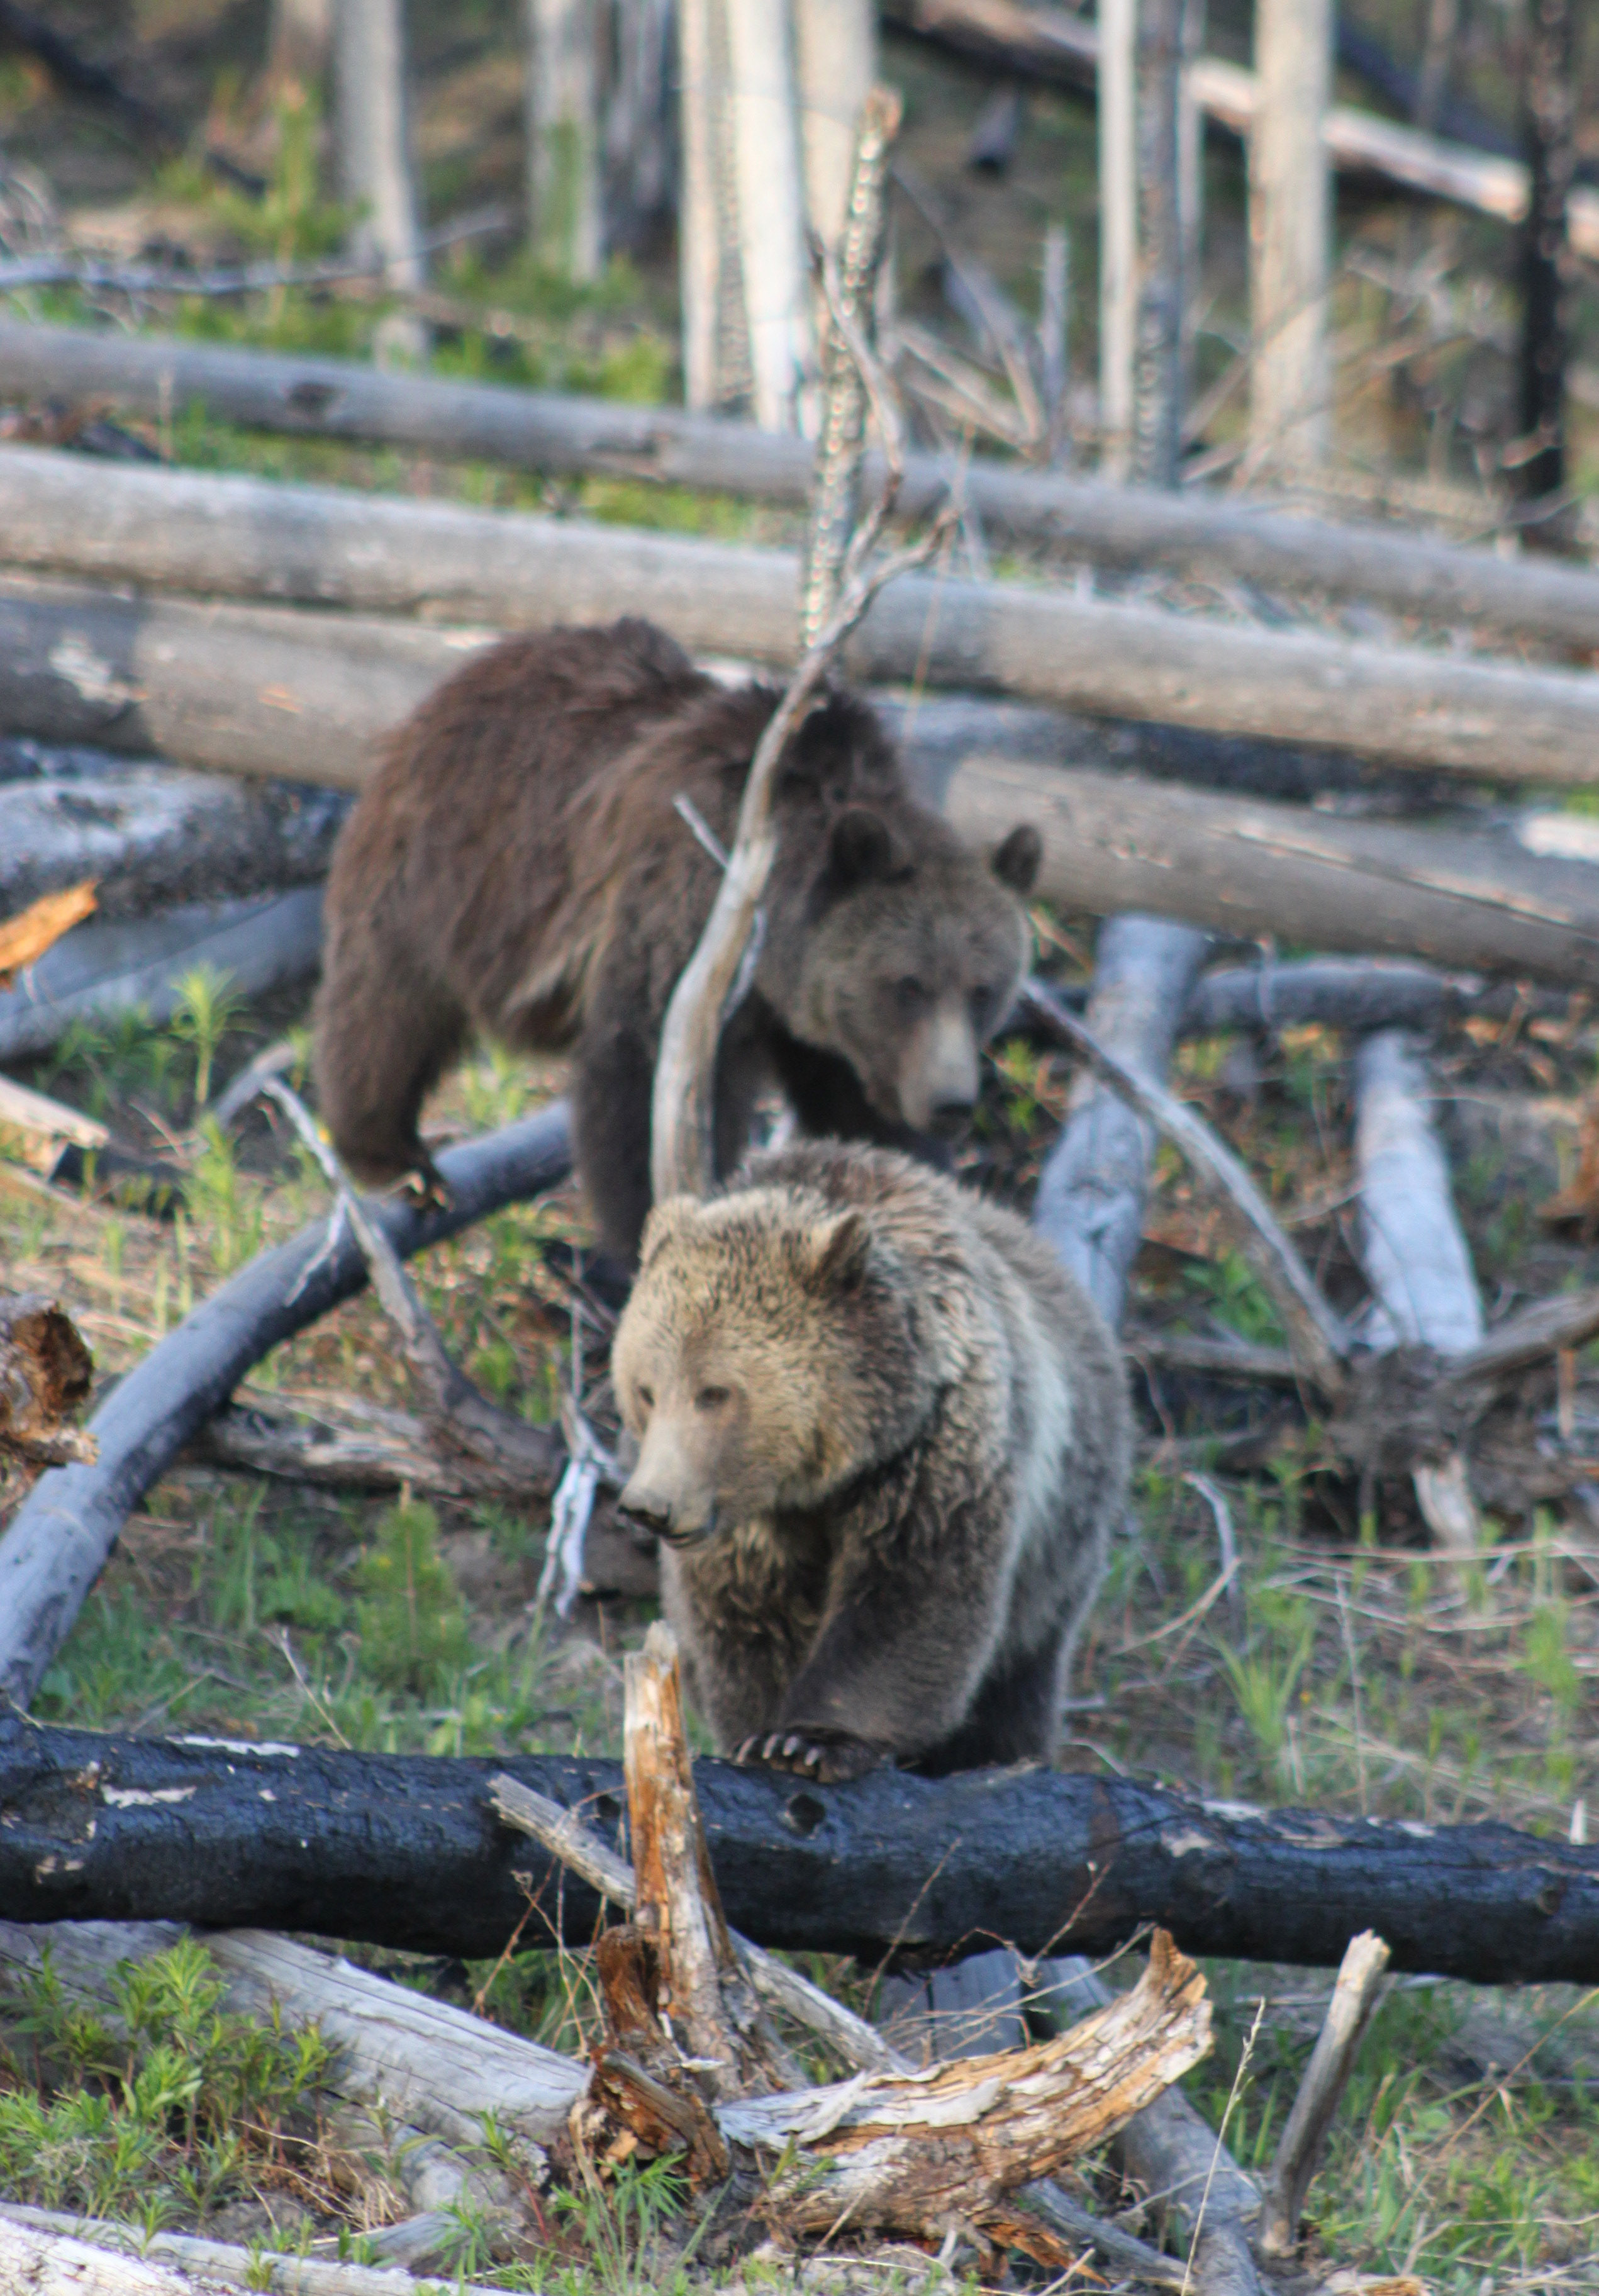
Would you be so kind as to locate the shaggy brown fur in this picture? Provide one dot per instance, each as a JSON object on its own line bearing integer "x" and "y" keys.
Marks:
{"x": 518, "y": 866}
{"x": 883, "y": 1437}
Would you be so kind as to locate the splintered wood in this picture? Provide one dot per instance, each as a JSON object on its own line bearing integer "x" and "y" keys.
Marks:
{"x": 910, "y": 2153}
{"x": 689, "y": 2064}
{"x": 25, "y": 939}
{"x": 45, "y": 1374}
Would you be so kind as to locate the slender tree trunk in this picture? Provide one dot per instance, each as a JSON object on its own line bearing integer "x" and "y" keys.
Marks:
{"x": 1118, "y": 233}
{"x": 1289, "y": 218}
{"x": 835, "y": 62}
{"x": 1157, "y": 363}
{"x": 299, "y": 42}
{"x": 770, "y": 205}
{"x": 638, "y": 173}
{"x": 373, "y": 134}
{"x": 1548, "y": 102}
{"x": 1190, "y": 182}
{"x": 566, "y": 220}
{"x": 716, "y": 371}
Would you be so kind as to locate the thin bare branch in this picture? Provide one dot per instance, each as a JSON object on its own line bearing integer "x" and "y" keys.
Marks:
{"x": 1320, "y": 1340}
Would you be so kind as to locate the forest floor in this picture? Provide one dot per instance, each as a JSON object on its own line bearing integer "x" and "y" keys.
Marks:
{"x": 1360, "y": 1669}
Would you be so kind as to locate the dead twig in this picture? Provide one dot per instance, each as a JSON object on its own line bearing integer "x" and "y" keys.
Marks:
{"x": 458, "y": 1415}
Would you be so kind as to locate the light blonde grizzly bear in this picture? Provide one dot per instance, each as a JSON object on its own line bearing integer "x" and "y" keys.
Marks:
{"x": 882, "y": 1439}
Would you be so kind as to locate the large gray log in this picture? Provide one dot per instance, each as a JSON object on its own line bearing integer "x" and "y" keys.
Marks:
{"x": 233, "y": 536}
{"x": 1189, "y": 534}
{"x": 1092, "y": 1188}
{"x": 1415, "y": 1258}
{"x": 1173, "y": 2153}
{"x": 258, "y": 690}
{"x": 152, "y": 835}
{"x": 98, "y": 971}
{"x": 428, "y": 2064}
{"x": 1475, "y": 900}
{"x": 60, "y": 1537}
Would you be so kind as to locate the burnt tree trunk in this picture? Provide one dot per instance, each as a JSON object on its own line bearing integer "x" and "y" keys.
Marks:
{"x": 1549, "y": 101}
{"x": 406, "y": 1851}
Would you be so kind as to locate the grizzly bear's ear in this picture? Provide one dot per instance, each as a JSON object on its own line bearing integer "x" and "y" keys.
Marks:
{"x": 678, "y": 1216}
{"x": 835, "y": 1251}
{"x": 1019, "y": 860}
{"x": 861, "y": 847}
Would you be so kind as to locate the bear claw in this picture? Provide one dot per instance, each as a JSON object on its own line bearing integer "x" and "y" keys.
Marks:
{"x": 828, "y": 1760}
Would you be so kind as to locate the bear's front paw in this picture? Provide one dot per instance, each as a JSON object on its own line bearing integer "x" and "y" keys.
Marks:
{"x": 828, "y": 1756}
{"x": 426, "y": 1185}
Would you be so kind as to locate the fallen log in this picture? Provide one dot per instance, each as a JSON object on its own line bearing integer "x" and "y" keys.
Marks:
{"x": 1190, "y": 534}
{"x": 1094, "y": 1182}
{"x": 428, "y": 2064}
{"x": 42, "y": 2254}
{"x": 60, "y": 1538}
{"x": 1177, "y": 2161}
{"x": 407, "y": 1851}
{"x": 229, "y": 537}
{"x": 1334, "y": 993}
{"x": 257, "y": 692}
{"x": 1414, "y": 1254}
{"x": 101, "y": 970}
{"x": 1468, "y": 899}
{"x": 151, "y": 836}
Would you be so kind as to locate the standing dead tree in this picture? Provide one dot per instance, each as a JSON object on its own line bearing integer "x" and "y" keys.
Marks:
{"x": 373, "y": 136}
{"x": 1548, "y": 105}
{"x": 1289, "y": 226}
{"x": 562, "y": 103}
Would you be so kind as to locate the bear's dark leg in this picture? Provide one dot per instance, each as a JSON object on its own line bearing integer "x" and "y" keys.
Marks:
{"x": 825, "y": 1096}
{"x": 384, "y": 1038}
{"x": 612, "y": 1076}
{"x": 1013, "y": 1717}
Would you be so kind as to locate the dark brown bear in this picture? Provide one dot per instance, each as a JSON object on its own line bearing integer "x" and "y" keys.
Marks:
{"x": 518, "y": 866}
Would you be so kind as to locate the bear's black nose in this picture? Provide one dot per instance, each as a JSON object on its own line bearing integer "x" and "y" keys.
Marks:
{"x": 948, "y": 1113}
{"x": 656, "y": 1522}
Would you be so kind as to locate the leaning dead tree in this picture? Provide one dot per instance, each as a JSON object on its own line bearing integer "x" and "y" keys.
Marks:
{"x": 681, "y": 1154}
{"x": 59, "y": 1540}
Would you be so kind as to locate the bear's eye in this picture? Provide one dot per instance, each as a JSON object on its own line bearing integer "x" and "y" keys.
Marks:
{"x": 647, "y": 1398}
{"x": 909, "y": 993}
{"x": 710, "y": 1398}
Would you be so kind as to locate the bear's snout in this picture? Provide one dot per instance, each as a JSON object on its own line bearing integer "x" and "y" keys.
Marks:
{"x": 940, "y": 1082}
{"x": 655, "y": 1513}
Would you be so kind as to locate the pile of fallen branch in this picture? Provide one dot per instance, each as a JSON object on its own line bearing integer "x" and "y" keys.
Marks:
{"x": 688, "y": 2059}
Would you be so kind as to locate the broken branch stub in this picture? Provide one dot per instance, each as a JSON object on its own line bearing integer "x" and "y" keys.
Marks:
{"x": 703, "y": 1994}
{"x": 1355, "y": 1998}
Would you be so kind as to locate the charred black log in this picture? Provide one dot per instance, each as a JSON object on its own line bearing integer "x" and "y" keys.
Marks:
{"x": 406, "y": 1851}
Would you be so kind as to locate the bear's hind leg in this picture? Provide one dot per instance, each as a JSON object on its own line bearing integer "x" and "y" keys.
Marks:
{"x": 612, "y": 1076}
{"x": 1013, "y": 1717}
